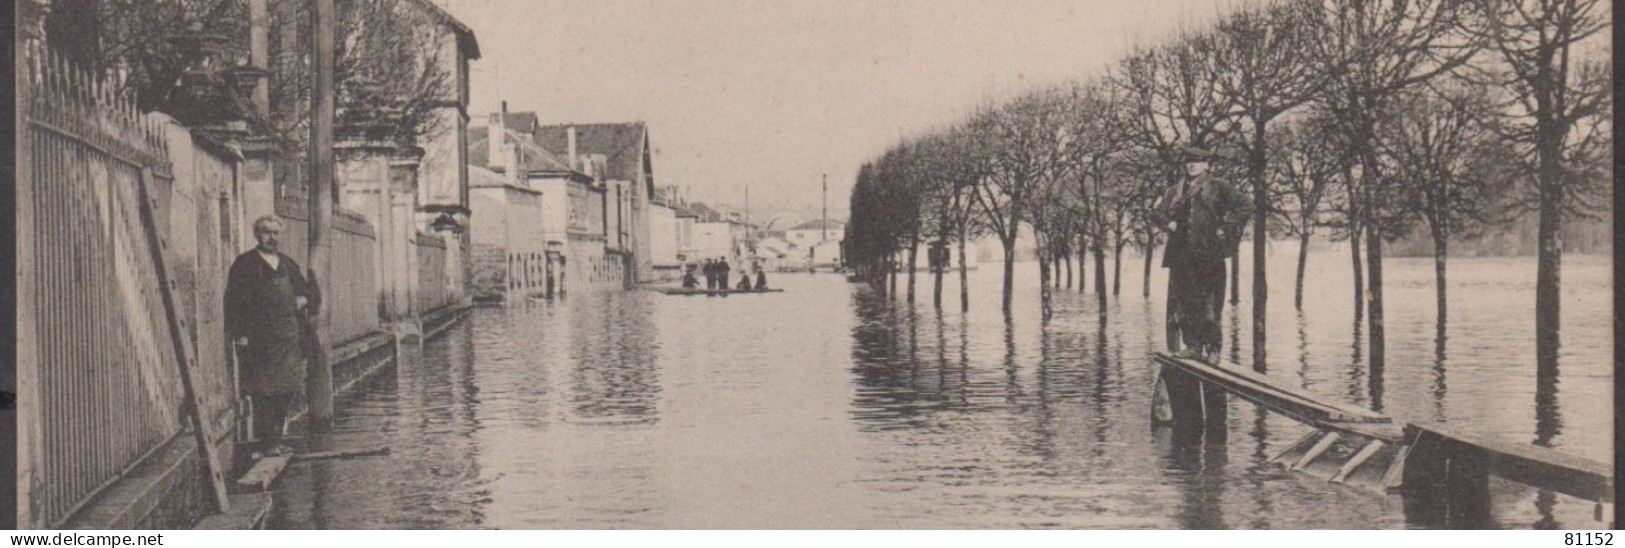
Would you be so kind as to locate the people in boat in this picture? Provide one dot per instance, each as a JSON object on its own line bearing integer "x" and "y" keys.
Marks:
{"x": 761, "y": 278}
{"x": 1205, "y": 217}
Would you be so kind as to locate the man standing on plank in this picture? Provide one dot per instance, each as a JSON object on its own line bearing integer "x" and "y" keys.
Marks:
{"x": 269, "y": 305}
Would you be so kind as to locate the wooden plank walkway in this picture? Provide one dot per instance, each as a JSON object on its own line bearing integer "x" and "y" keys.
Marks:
{"x": 1297, "y": 404}
{"x": 1528, "y": 463}
{"x": 1418, "y": 447}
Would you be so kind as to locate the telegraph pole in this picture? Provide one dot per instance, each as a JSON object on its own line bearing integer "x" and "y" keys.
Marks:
{"x": 824, "y": 228}
{"x": 319, "y": 388}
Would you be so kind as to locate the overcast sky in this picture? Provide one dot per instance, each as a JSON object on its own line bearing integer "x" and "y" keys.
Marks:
{"x": 775, "y": 94}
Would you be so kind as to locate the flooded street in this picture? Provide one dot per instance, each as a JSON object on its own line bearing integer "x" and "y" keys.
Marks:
{"x": 828, "y": 406}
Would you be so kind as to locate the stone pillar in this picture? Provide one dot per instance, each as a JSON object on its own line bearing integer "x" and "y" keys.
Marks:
{"x": 403, "y": 178}
{"x": 363, "y": 182}
{"x": 257, "y": 182}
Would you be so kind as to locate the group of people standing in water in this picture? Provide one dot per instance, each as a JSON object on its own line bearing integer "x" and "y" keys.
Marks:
{"x": 716, "y": 273}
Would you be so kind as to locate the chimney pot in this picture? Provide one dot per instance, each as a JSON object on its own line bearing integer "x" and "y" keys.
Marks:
{"x": 570, "y": 139}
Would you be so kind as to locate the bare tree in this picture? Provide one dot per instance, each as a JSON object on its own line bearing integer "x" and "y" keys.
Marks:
{"x": 1028, "y": 139}
{"x": 1557, "y": 119}
{"x": 1264, "y": 75}
{"x": 1376, "y": 49}
{"x": 1306, "y": 161}
{"x": 1439, "y": 146}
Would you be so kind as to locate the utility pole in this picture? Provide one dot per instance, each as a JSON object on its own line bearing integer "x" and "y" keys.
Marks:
{"x": 319, "y": 388}
{"x": 823, "y": 228}
{"x": 259, "y": 48}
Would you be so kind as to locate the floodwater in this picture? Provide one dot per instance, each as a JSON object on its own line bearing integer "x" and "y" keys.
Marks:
{"x": 828, "y": 406}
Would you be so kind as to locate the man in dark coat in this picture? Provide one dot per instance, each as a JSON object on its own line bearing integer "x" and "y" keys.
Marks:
{"x": 710, "y": 271}
{"x": 722, "y": 273}
{"x": 269, "y": 305}
{"x": 1205, "y": 217}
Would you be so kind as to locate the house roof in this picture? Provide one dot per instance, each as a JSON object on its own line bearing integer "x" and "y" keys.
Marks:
{"x": 522, "y": 122}
{"x": 480, "y": 177}
{"x": 625, "y": 146}
{"x": 465, "y": 36}
{"x": 535, "y": 159}
{"x": 817, "y": 224}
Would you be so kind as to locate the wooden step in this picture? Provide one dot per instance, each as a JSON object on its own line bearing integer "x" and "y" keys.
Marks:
{"x": 1318, "y": 450}
{"x": 1359, "y": 460}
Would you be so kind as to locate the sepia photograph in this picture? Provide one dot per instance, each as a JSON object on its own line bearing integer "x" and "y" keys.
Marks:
{"x": 813, "y": 265}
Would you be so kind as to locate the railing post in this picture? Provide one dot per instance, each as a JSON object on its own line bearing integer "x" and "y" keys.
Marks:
{"x": 28, "y": 427}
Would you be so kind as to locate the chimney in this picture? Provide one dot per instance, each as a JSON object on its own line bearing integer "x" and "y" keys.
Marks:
{"x": 512, "y": 157}
{"x": 496, "y": 138}
{"x": 570, "y": 138}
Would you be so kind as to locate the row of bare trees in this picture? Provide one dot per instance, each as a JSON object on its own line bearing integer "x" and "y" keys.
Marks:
{"x": 1360, "y": 120}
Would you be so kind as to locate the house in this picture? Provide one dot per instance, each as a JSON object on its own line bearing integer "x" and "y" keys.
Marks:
{"x": 666, "y": 235}
{"x": 825, "y": 255}
{"x": 815, "y": 232}
{"x": 590, "y": 226}
{"x": 627, "y": 176}
{"x": 774, "y": 253}
{"x": 443, "y": 179}
{"x": 509, "y": 252}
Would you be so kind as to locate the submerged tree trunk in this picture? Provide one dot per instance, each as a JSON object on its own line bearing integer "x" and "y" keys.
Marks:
{"x": 1009, "y": 272}
{"x": 1045, "y": 262}
{"x": 964, "y": 289}
{"x": 891, "y": 273}
{"x": 936, "y": 287}
{"x": 1303, "y": 259}
{"x": 1261, "y": 212}
{"x": 1117, "y": 268}
{"x": 913, "y": 255}
{"x": 1373, "y": 258}
{"x": 1066, "y": 258}
{"x": 1083, "y": 263}
{"x": 1150, "y": 253}
{"x": 1235, "y": 274}
{"x": 1359, "y": 275}
{"x": 1549, "y": 266}
{"x": 1439, "y": 253}
{"x": 1100, "y": 274}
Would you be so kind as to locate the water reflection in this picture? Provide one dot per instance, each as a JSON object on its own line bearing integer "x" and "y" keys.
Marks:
{"x": 835, "y": 406}
{"x": 615, "y": 377}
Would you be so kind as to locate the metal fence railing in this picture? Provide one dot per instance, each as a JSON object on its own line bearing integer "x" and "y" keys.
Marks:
{"x": 99, "y": 387}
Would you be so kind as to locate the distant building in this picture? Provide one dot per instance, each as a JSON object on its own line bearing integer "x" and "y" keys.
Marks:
{"x": 627, "y": 176}
{"x": 815, "y": 232}
{"x": 443, "y": 180}
{"x": 825, "y": 255}
{"x": 509, "y": 259}
{"x": 571, "y": 229}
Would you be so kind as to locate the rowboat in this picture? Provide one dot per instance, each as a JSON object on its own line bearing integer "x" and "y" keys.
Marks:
{"x": 708, "y": 292}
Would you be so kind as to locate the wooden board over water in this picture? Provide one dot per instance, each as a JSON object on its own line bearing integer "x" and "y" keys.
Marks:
{"x": 1529, "y": 464}
{"x": 1272, "y": 393}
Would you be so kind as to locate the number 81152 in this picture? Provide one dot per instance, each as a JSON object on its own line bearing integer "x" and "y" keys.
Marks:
{"x": 1588, "y": 539}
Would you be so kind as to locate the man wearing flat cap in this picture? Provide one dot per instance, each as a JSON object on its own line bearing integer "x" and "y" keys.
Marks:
{"x": 1204, "y": 217}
